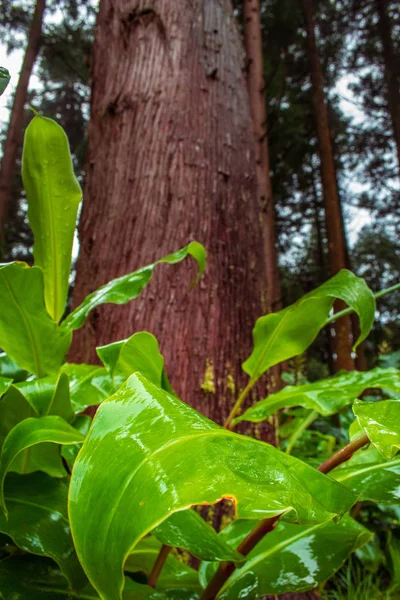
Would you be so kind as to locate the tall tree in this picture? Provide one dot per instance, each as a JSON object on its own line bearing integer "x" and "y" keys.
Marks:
{"x": 333, "y": 213}
{"x": 392, "y": 70}
{"x": 14, "y": 132}
{"x": 258, "y": 108}
{"x": 171, "y": 159}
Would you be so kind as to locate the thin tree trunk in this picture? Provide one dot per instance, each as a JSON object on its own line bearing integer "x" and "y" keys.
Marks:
{"x": 14, "y": 132}
{"x": 258, "y": 109}
{"x": 171, "y": 159}
{"x": 392, "y": 70}
{"x": 334, "y": 225}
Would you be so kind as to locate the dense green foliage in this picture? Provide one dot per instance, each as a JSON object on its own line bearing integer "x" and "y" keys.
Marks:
{"x": 90, "y": 524}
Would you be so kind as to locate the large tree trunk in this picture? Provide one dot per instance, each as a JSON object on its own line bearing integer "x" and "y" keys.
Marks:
{"x": 14, "y": 132}
{"x": 392, "y": 70}
{"x": 171, "y": 159}
{"x": 334, "y": 224}
{"x": 258, "y": 109}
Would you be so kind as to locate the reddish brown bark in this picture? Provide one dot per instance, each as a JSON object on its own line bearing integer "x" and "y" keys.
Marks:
{"x": 258, "y": 109}
{"x": 14, "y": 132}
{"x": 334, "y": 222}
{"x": 171, "y": 159}
{"x": 392, "y": 70}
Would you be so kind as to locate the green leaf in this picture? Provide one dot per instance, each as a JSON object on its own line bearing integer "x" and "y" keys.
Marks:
{"x": 14, "y": 408}
{"x": 371, "y": 476}
{"x": 49, "y": 396}
{"x": 287, "y": 333}
{"x": 295, "y": 558}
{"x": 30, "y": 432}
{"x": 149, "y": 455}
{"x": 327, "y": 396}
{"x": 38, "y": 521}
{"x": 38, "y": 578}
{"x": 4, "y": 385}
{"x": 10, "y": 369}
{"x": 53, "y": 195}
{"x": 174, "y": 574}
{"x": 82, "y": 424}
{"x": 138, "y": 353}
{"x": 128, "y": 287}
{"x": 186, "y": 529}
{"x": 89, "y": 385}
{"x": 27, "y": 333}
{"x": 381, "y": 423}
{"x": 4, "y": 79}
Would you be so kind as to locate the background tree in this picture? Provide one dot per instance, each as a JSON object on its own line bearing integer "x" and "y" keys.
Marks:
{"x": 177, "y": 71}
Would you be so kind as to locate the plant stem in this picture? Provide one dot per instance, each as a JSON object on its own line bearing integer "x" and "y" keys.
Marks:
{"x": 344, "y": 454}
{"x": 347, "y": 311}
{"x": 158, "y": 565}
{"x": 239, "y": 402}
{"x": 226, "y": 569}
{"x": 300, "y": 430}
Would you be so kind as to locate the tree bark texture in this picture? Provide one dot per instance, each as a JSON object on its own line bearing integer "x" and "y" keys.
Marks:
{"x": 258, "y": 110}
{"x": 392, "y": 70}
{"x": 333, "y": 215}
{"x": 14, "y": 132}
{"x": 171, "y": 159}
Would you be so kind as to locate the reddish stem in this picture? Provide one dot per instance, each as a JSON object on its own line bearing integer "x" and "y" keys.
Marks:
{"x": 158, "y": 565}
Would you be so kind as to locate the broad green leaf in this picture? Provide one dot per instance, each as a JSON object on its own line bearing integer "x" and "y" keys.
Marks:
{"x": 138, "y": 353}
{"x": 367, "y": 473}
{"x": 287, "y": 333}
{"x": 27, "y": 333}
{"x": 29, "y": 433}
{"x": 327, "y": 396}
{"x": 128, "y": 287}
{"x": 186, "y": 529}
{"x": 89, "y": 385}
{"x": 295, "y": 558}
{"x": 38, "y": 578}
{"x": 49, "y": 396}
{"x": 10, "y": 369}
{"x": 38, "y": 521}
{"x": 381, "y": 423}
{"x": 53, "y": 195}
{"x": 174, "y": 574}
{"x": 4, "y": 79}
{"x": 149, "y": 455}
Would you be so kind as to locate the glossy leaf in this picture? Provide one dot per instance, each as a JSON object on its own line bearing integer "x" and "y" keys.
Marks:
{"x": 381, "y": 423}
{"x": 89, "y": 385}
{"x": 371, "y": 476}
{"x": 37, "y": 578}
{"x": 14, "y": 407}
{"x": 4, "y": 79}
{"x": 29, "y": 433}
{"x": 49, "y": 396}
{"x": 53, "y": 195}
{"x": 138, "y": 353}
{"x": 128, "y": 287}
{"x": 327, "y": 396}
{"x": 149, "y": 455}
{"x": 38, "y": 521}
{"x": 10, "y": 370}
{"x": 186, "y": 529}
{"x": 287, "y": 333}
{"x": 27, "y": 333}
{"x": 295, "y": 558}
{"x": 174, "y": 574}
